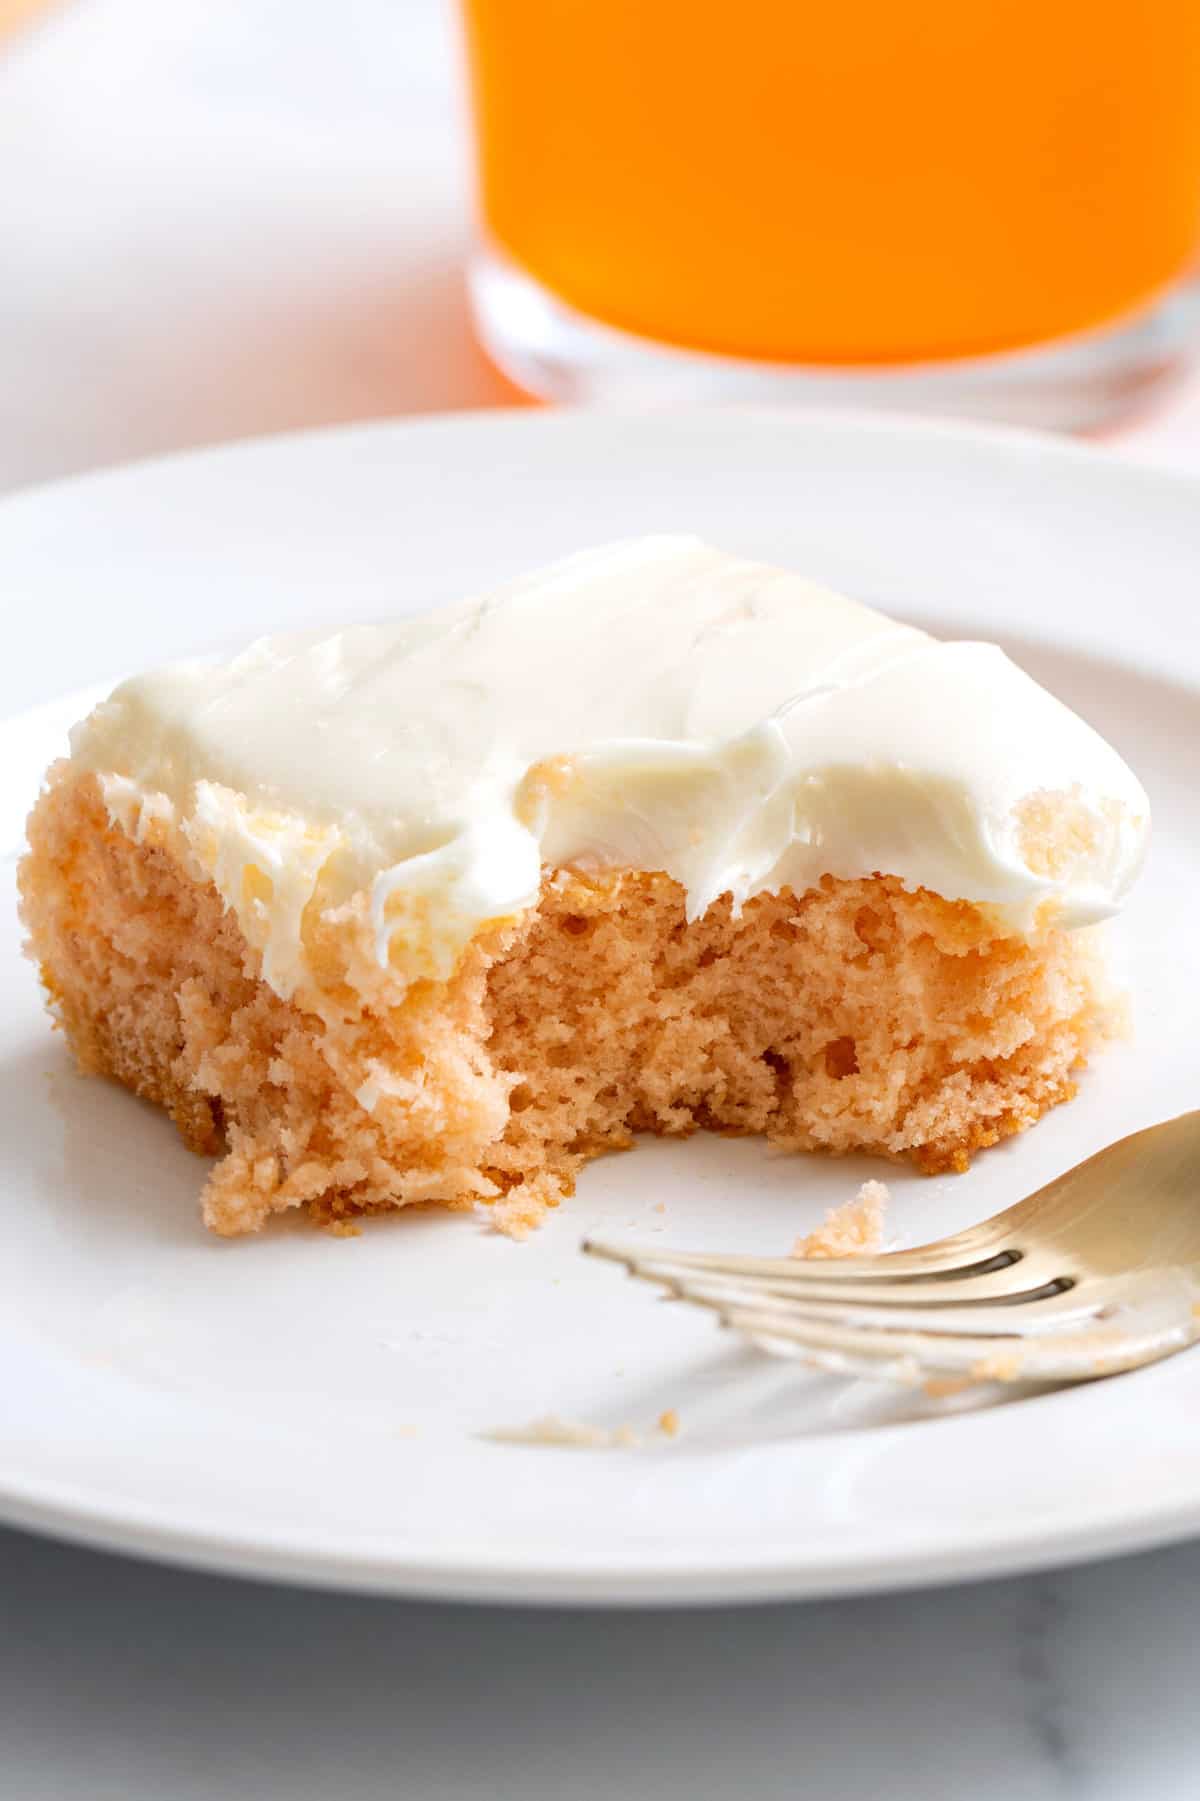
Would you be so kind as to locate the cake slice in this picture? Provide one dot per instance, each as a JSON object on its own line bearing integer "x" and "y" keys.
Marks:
{"x": 656, "y": 839}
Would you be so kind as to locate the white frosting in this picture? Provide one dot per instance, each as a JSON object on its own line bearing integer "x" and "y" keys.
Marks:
{"x": 652, "y": 704}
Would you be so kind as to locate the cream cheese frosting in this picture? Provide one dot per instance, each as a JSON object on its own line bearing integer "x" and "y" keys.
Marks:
{"x": 653, "y": 704}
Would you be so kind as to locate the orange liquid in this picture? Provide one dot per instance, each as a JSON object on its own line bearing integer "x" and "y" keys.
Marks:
{"x": 852, "y": 181}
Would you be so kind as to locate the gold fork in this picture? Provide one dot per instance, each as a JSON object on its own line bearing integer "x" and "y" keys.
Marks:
{"x": 1095, "y": 1273}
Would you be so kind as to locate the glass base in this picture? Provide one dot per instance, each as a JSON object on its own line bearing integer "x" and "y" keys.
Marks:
{"x": 1077, "y": 384}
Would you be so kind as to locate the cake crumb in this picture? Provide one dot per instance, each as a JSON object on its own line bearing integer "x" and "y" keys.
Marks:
{"x": 668, "y": 1422}
{"x": 574, "y": 1434}
{"x": 854, "y": 1229}
{"x": 517, "y": 1214}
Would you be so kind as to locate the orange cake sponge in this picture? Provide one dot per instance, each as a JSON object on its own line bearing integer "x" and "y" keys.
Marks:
{"x": 858, "y": 1015}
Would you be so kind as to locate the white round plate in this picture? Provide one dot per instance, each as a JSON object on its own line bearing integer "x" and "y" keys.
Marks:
{"x": 305, "y": 1406}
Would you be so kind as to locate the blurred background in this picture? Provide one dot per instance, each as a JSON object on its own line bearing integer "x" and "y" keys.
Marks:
{"x": 224, "y": 217}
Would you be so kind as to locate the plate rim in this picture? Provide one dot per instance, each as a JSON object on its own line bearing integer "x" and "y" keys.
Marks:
{"x": 1080, "y": 451}
{"x": 614, "y": 1579}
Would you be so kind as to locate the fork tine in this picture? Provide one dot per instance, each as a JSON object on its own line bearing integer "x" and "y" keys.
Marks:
{"x": 1109, "y": 1324}
{"x": 824, "y": 1280}
{"x": 1098, "y": 1271}
{"x": 907, "y": 1356}
{"x": 1058, "y": 1313}
{"x": 962, "y": 1251}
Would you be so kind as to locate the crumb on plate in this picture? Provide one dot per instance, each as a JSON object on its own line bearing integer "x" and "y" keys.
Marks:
{"x": 854, "y": 1229}
{"x": 550, "y": 1429}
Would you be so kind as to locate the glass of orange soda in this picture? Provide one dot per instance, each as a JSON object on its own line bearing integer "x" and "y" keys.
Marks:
{"x": 967, "y": 206}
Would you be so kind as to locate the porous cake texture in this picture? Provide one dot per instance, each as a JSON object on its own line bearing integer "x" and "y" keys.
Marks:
{"x": 859, "y": 1015}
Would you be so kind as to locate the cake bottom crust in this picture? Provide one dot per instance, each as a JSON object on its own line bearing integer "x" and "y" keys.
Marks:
{"x": 858, "y": 1016}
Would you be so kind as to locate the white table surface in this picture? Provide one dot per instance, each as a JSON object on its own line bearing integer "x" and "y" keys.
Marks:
{"x": 224, "y": 217}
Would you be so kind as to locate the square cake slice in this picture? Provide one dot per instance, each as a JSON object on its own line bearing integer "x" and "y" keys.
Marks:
{"x": 653, "y": 840}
